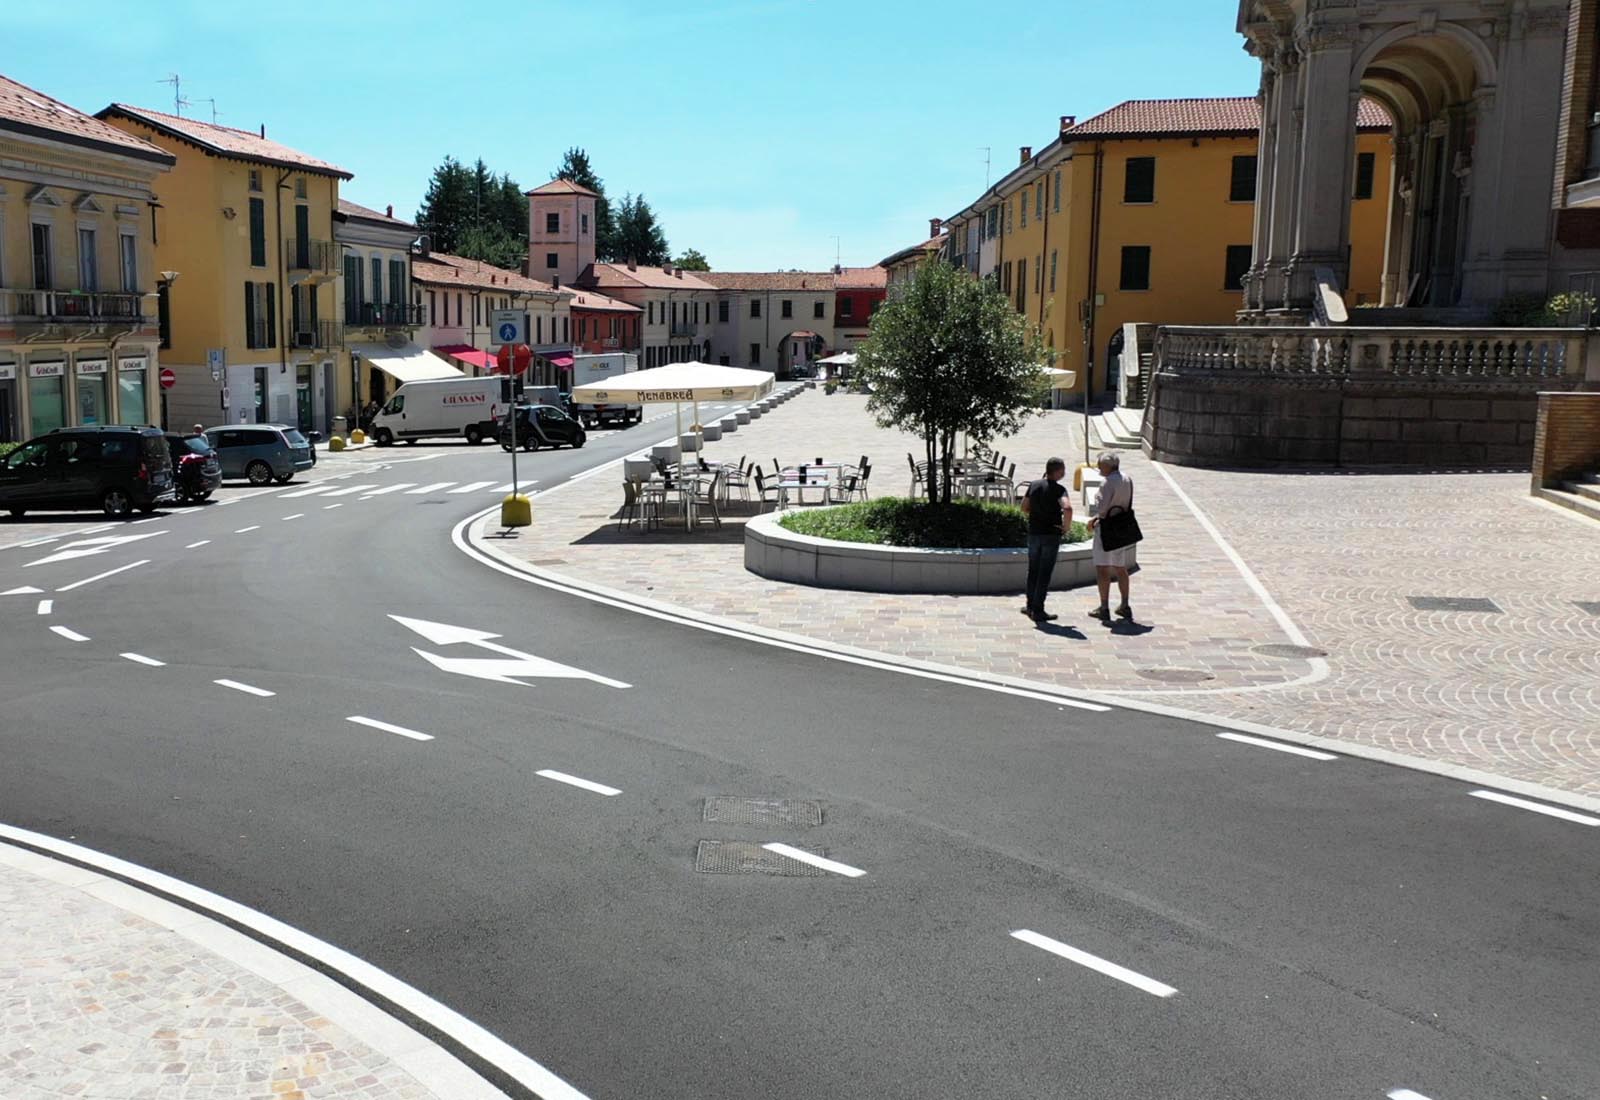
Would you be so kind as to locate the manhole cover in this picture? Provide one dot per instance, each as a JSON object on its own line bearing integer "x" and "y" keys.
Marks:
{"x": 1175, "y": 675}
{"x": 1592, "y": 608}
{"x": 1453, "y": 603}
{"x": 1283, "y": 650}
{"x": 740, "y": 857}
{"x": 762, "y": 811}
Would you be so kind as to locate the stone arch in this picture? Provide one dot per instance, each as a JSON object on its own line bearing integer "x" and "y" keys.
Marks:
{"x": 1460, "y": 38}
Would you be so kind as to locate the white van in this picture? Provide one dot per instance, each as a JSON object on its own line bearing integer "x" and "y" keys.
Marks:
{"x": 597, "y": 368}
{"x": 467, "y": 407}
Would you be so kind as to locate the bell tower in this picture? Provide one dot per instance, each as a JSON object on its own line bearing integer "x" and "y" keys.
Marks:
{"x": 560, "y": 231}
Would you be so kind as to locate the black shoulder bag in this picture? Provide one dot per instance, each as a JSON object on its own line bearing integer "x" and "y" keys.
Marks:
{"x": 1120, "y": 527}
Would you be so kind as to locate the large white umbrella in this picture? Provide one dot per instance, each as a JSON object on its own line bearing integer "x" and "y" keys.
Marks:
{"x": 678, "y": 382}
{"x": 843, "y": 359}
{"x": 1061, "y": 379}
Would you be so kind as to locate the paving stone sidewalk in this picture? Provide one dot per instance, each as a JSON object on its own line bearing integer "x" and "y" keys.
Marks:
{"x": 99, "y": 1002}
{"x": 1516, "y": 692}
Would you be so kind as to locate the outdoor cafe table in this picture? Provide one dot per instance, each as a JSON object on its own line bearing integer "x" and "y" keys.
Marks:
{"x": 790, "y": 480}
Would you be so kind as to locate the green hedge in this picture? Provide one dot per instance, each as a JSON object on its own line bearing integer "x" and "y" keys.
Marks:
{"x": 896, "y": 521}
{"x": 7, "y": 448}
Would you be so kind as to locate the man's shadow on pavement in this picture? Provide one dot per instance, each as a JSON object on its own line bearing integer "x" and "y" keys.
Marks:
{"x": 1129, "y": 627}
{"x": 1061, "y": 631}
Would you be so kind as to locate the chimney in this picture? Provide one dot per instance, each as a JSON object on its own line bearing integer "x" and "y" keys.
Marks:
{"x": 263, "y": 129}
{"x": 388, "y": 211}
{"x": 633, "y": 263}
{"x": 424, "y": 244}
{"x": 678, "y": 273}
{"x": 666, "y": 268}
{"x": 1068, "y": 122}
{"x": 1027, "y": 151}
{"x": 555, "y": 281}
{"x": 934, "y": 225}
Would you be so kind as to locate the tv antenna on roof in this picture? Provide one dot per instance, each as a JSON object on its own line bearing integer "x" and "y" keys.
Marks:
{"x": 836, "y": 252}
{"x": 215, "y": 114}
{"x": 986, "y": 151}
{"x": 178, "y": 102}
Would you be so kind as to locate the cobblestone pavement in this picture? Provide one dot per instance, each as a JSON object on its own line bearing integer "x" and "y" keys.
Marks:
{"x": 1516, "y": 692}
{"x": 98, "y": 1002}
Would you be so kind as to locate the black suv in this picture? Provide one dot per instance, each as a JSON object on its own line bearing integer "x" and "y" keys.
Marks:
{"x": 113, "y": 468}
{"x": 541, "y": 426}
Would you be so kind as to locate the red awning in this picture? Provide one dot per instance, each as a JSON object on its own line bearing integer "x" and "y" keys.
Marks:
{"x": 467, "y": 354}
{"x": 562, "y": 361}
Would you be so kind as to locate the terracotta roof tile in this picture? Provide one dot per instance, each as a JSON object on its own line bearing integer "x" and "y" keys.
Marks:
{"x": 583, "y": 298}
{"x": 225, "y": 140}
{"x": 23, "y": 110}
{"x": 769, "y": 280}
{"x": 932, "y": 244}
{"x": 562, "y": 187}
{"x": 356, "y": 210}
{"x": 605, "y": 276}
{"x": 1219, "y": 115}
{"x": 862, "y": 278}
{"x": 443, "y": 269}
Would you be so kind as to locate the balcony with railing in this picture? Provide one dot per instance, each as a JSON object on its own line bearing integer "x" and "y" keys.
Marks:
{"x": 684, "y": 328}
{"x": 310, "y": 259}
{"x": 316, "y": 335}
{"x": 85, "y": 308}
{"x": 383, "y": 315}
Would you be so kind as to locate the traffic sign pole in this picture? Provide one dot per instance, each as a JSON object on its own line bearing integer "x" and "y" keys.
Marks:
{"x": 510, "y": 329}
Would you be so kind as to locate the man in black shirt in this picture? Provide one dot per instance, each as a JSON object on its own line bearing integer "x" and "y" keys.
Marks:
{"x": 1049, "y": 514}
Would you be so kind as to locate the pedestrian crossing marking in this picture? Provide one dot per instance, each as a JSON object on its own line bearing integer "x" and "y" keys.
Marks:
{"x": 435, "y": 487}
{"x": 472, "y": 487}
{"x": 388, "y": 489}
{"x": 352, "y": 489}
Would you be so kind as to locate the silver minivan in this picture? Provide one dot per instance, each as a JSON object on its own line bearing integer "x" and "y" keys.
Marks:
{"x": 260, "y": 453}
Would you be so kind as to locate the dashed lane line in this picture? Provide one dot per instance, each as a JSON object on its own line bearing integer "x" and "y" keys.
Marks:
{"x": 141, "y": 659}
{"x": 69, "y": 635}
{"x": 45, "y": 606}
{"x": 196, "y": 545}
{"x": 574, "y": 781}
{"x": 1404, "y": 1094}
{"x": 248, "y": 689}
{"x": 247, "y": 530}
{"x": 434, "y": 488}
{"x": 472, "y": 487}
{"x": 387, "y": 728}
{"x": 1536, "y": 807}
{"x": 1095, "y": 963}
{"x": 814, "y": 860}
{"x": 1280, "y": 746}
{"x": 103, "y": 576}
{"x": 297, "y": 515}
{"x": 330, "y": 507}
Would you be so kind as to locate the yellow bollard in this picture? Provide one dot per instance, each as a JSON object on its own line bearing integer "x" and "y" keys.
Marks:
{"x": 358, "y": 436}
{"x": 336, "y": 443}
{"x": 516, "y": 510}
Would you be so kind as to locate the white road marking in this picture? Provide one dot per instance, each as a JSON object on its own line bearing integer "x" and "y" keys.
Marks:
{"x": 328, "y": 507}
{"x": 1095, "y": 963}
{"x": 435, "y": 487}
{"x": 387, "y": 728}
{"x": 230, "y": 500}
{"x": 103, "y": 576}
{"x": 247, "y": 530}
{"x": 526, "y": 483}
{"x": 69, "y": 635}
{"x": 84, "y": 548}
{"x": 350, "y": 490}
{"x": 506, "y": 669}
{"x": 1266, "y": 743}
{"x": 193, "y": 545}
{"x": 358, "y": 975}
{"x": 1404, "y": 1094}
{"x": 387, "y": 489}
{"x": 246, "y": 688}
{"x": 150, "y": 519}
{"x": 815, "y": 860}
{"x": 472, "y": 487}
{"x": 45, "y": 606}
{"x": 297, "y": 515}
{"x": 1537, "y": 807}
{"x": 320, "y": 488}
{"x": 24, "y": 590}
{"x": 572, "y": 780}
{"x": 36, "y": 542}
{"x": 140, "y": 658}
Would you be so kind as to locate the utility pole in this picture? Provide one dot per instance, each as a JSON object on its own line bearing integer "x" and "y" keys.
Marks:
{"x": 178, "y": 102}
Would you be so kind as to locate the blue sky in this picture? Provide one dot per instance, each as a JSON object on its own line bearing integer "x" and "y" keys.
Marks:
{"x": 758, "y": 129}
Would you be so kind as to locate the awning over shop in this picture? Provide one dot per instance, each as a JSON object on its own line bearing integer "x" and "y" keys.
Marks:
{"x": 467, "y": 354}
{"x": 563, "y": 361}
{"x": 407, "y": 363}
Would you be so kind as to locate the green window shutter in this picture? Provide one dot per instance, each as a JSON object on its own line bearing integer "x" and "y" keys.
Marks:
{"x": 249, "y": 314}
{"x": 272, "y": 315}
{"x": 352, "y": 290}
{"x": 258, "y": 233}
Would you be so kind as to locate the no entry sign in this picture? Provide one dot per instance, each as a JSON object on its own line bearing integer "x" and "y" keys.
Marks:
{"x": 169, "y": 378}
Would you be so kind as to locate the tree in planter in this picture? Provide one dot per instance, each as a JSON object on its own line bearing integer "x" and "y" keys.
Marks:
{"x": 948, "y": 354}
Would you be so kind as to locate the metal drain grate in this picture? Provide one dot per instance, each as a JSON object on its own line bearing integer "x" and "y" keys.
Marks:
{"x": 1284, "y": 650}
{"x": 762, "y": 811}
{"x": 740, "y": 857}
{"x": 1175, "y": 675}
{"x": 1454, "y": 603}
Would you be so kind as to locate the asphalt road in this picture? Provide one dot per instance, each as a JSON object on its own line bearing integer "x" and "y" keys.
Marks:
{"x": 1285, "y": 926}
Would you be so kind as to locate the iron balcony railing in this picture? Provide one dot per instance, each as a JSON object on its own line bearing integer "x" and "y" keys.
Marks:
{"x": 387, "y": 314}
{"x": 316, "y": 335}
{"x": 684, "y": 328}
{"x": 304, "y": 254}
{"x": 76, "y": 306}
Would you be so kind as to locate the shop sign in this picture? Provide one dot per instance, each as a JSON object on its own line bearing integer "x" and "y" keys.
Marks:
{"x": 8, "y": 371}
{"x": 134, "y": 363}
{"x": 47, "y": 370}
{"x": 92, "y": 366}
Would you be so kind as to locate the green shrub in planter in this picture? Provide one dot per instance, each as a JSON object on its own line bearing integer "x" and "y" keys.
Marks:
{"x": 829, "y": 386}
{"x": 896, "y": 521}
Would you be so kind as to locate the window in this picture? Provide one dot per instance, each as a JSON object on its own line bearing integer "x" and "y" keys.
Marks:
{"x": 1010, "y": 218}
{"x": 722, "y": 311}
{"x": 255, "y": 179}
{"x": 755, "y": 355}
{"x": 1135, "y": 267}
{"x": 566, "y": 328}
{"x": 1038, "y": 274}
{"x": 538, "y": 330}
{"x": 397, "y": 286}
{"x": 260, "y": 316}
{"x": 1056, "y": 203}
{"x": 41, "y": 257}
{"x": 1022, "y": 285}
{"x": 847, "y": 307}
{"x": 1238, "y": 263}
{"x": 551, "y": 260}
{"x": 818, "y": 310}
{"x": 1139, "y": 180}
{"x": 755, "y": 307}
{"x": 650, "y": 308}
{"x": 458, "y": 308}
{"x": 433, "y": 317}
{"x": 1023, "y": 199}
{"x": 1005, "y": 279}
{"x": 128, "y": 254}
{"x": 377, "y": 282}
{"x": 477, "y": 309}
{"x": 300, "y": 187}
{"x": 722, "y": 360}
{"x": 88, "y": 270}
{"x": 1366, "y": 169}
{"x": 1038, "y": 198}
{"x": 1052, "y": 271}
{"x": 552, "y": 223}
{"x": 583, "y": 224}
{"x": 1242, "y": 187}
{"x": 258, "y": 232}
{"x": 787, "y": 308}
{"x": 164, "y": 313}
{"x": 991, "y": 222}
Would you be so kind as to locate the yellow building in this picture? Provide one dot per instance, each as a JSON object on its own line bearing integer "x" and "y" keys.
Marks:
{"x": 1145, "y": 213}
{"x": 78, "y": 333}
{"x": 250, "y": 313}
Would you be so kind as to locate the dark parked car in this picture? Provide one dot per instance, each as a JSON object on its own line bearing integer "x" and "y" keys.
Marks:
{"x": 116, "y": 469}
{"x": 542, "y": 426}
{"x": 196, "y": 473}
{"x": 260, "y": 453}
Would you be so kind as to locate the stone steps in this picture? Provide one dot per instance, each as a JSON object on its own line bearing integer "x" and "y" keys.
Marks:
{"x": 1581, "y": 496}
{"x": 1117, "y": 429}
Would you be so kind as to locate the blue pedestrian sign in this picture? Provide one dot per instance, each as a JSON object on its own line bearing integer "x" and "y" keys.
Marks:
{"x": 509, "y": 326}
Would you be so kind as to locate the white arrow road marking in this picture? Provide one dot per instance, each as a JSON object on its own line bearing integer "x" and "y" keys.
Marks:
{"x": 84, "y": 548}
{"x": 103, "y": 576}
{"x": 574, "y": 781}
{"x": 506, "y": 670}
{"x": 246, "y": 688}
{"x": 387, "y": 728}
{"x": 25, "y": 590}
{"x": 69, "y": 635}
{"x": 45, "y": 606}
{"x": 804, "y": 856}
{"x": 1094, "y": 962}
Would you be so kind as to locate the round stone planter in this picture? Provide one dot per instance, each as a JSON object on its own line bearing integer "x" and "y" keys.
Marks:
{"x": 771, "y": 551}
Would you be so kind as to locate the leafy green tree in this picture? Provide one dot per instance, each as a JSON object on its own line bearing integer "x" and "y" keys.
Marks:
{"x": 474, "y": 213}
{"x": 948, "y": 354}
{"x": 576, "y": 168}
{"x": 638, "y": 236}
{"x": 493, "y": 245}
{"x": 692, "y": 259}
{"x": 447, "y": 210}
